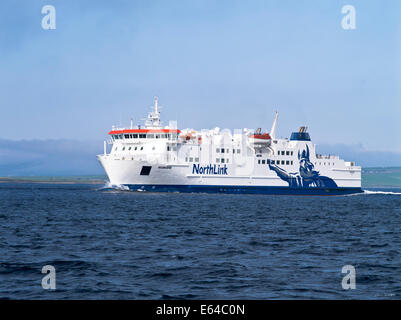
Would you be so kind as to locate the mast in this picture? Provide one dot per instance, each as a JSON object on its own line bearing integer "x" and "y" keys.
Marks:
{"x": 273, "y": 129}
{"x": 153, "y": 119}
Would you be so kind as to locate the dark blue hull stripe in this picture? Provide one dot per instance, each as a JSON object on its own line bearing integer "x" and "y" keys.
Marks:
{"x": 242, "y": 189}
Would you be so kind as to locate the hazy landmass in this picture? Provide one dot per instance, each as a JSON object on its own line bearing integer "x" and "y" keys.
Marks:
{"x": 56, "y": 179}
{"x": 69, "y": 161}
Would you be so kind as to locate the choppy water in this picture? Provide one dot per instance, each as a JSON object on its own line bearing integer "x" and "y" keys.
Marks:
{"x": 108, "y": 244}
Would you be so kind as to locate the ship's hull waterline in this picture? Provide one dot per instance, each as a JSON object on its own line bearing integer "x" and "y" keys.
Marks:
{"x": 264, "y": 190}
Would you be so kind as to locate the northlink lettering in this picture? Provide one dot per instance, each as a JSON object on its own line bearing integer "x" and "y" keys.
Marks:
{"x": 209, "y": 169}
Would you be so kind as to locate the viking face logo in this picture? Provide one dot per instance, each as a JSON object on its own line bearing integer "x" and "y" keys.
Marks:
{"x": 307, "y": 177}
{"x": 305, "y": 166}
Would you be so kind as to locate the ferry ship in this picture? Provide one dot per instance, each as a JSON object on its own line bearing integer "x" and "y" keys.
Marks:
{"x": 161, "y": 158}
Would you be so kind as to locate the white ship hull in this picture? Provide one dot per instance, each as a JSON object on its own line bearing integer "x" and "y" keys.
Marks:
{"x": 162, "y": 160}
{"x": 180, "y": 178}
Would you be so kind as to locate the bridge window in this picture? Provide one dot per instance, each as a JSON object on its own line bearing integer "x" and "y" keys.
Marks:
{"x": 142, "y": 136}
{"x": 151, "y": 136}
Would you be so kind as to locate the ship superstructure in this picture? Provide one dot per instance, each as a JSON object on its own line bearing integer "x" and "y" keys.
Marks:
{"x": 165, "y": 159}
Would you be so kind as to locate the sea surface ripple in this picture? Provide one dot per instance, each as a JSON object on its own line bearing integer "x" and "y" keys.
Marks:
{"x": 113, "y": 244}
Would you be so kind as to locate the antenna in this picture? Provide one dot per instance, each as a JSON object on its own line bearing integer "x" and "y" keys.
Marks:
{"x": 273, "y": 130}
{"x": 156, "y": 104}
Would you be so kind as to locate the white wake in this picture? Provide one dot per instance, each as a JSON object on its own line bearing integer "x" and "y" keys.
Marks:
{"x": 381, "y": 192}
{"x": 109, "y": 186}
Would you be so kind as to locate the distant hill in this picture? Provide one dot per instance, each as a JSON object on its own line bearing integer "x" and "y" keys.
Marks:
{"x": 49, "y": 157}
{"x": 69, "y": 157}
{"x": 361, "y": 156}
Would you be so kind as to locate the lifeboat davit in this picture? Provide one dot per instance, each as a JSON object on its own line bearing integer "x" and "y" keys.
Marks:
{"x": 188, "y": 136}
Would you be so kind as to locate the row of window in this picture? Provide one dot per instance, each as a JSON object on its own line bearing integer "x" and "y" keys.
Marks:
{"x": 324, "y": 163}
{"x": 145, "y": 136}
{"x": 285, "y": 153}
{"x": 129, "y": 148}
{"x": 218, "y": 160}
{"x": 222, "y": 150}
{"x": 279, "y": 162}
{"x": 174, "y": 148}
{"x": 289, "y": 162}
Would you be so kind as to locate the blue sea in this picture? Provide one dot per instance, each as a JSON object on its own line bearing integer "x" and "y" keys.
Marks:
{"x": 112, "y": 244}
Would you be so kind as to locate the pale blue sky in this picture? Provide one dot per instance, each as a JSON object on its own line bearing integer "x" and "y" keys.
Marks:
{"x": 212, "y": 63}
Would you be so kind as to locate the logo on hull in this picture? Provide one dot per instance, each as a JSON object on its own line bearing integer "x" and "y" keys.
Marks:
{"x": 209, "y": 169}
{"x": 307, "y": 177}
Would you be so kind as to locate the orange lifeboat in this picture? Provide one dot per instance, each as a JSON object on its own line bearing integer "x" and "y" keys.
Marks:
{"x": 260, "y": 138}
